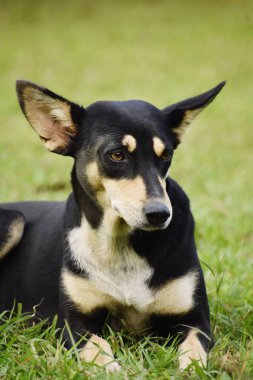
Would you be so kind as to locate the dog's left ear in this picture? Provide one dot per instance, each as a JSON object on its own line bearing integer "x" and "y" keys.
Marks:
{"x": 180, "y": 115}
{"x": 54, "y": 118}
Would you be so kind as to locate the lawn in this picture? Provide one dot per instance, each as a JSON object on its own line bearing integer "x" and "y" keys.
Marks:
{"x": 162, "y": 52}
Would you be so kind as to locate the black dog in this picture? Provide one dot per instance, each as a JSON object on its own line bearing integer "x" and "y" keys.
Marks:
{"x": 122, "y": 247}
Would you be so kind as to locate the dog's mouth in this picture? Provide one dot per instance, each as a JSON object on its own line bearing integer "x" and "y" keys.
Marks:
{"x": 151, "y": 227}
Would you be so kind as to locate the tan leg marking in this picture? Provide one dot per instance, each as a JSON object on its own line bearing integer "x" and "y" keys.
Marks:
{"x": 98, "y": 351}
{"x": 83, "y": 293}
{"x": 130, "y": 142}
{"x": 176, "y": 297}
{"x": 191, "y": 349}
{"x": 14, "y": 235}
{"x": 158, "y": 146}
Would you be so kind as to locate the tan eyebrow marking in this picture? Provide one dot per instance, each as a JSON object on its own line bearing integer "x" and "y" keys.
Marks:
{"x": 130, "y": 142}
{"x": 158, "y": 146}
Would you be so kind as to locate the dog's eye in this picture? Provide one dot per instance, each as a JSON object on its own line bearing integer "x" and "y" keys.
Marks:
{"x": 166, "y": 156}
{"x": 117, "y": 156}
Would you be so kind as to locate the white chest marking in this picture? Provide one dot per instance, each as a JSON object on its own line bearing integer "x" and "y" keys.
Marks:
{"x": 112, "y": 265}
{"x": 117, "y": 274}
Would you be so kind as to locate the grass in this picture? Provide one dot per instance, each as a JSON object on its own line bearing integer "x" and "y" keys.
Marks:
{"x": 162, "y": 52}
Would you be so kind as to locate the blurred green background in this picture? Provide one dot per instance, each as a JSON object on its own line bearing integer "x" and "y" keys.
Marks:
{"x": 162, "y": 52}
{"x": 159, "y": 51}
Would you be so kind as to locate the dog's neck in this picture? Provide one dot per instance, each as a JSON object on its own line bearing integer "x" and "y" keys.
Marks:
{"x": 105, "y": 246}
{"x": 86, "y": 203}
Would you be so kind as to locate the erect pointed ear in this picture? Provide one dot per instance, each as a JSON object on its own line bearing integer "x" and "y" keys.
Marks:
{"x": 54, "y": 118}
{"x": 180, "y": 115}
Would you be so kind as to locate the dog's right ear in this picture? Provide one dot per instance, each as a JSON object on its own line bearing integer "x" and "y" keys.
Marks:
{"x": 54, "y": 118}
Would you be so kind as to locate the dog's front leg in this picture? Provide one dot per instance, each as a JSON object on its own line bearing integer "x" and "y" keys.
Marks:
{"x": 192, "y": 349}
{"x": 96, "y": 350}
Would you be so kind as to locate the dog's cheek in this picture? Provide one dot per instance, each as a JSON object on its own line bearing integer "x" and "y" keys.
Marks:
{"x": 93, "y": 176}
{"x": 96, "y": 182}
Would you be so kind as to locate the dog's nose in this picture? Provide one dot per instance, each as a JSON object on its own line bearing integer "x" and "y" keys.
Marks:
{"x": 157, "y": 213}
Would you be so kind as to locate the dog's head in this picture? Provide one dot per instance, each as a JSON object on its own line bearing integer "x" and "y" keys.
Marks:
{"x": 122, "y": 150}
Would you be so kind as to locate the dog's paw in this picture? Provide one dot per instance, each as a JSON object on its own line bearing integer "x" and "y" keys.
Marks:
{"x": 99, "y": 352}
{"x": 191, "y": 350}
{"x": 112, "y": 367}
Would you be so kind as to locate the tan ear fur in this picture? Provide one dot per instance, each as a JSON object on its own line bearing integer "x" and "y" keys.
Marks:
{"x": 189, "y": 116}
{"x": 49, "y": 116}
{"x": 181, "y": 114}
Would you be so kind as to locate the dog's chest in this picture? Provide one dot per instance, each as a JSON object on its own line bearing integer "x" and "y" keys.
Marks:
{"x": 112, "y": 266}
{"x": 126, "y": 282}
{"x": 118, "y": 279}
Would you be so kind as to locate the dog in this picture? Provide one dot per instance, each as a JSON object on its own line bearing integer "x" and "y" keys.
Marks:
{"x": 121, "y": 249}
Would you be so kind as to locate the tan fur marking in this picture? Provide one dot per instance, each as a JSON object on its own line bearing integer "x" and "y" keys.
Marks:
{"x": 188, "y": 118}
{"x": 84, "y": 293}
{"x": 14, "y": 235}
{"x": 98, "y": 351}
{"x": 175, "y": 297}
{"x": 49, "y": 117}
{"x": 191, "y": 349}
{"x": 158, "y": 146}
{"x": 127, "y": 189}
{"x": 128, "y": 197}
{"x": 93, "y": 176}
{"x": 130, "y": 142}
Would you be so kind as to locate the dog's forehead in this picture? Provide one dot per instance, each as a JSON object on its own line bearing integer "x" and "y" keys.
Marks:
{"x": 130, "y": 122}
{"x": 129, "y": 109}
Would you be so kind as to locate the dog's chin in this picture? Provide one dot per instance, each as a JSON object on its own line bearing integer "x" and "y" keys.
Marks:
{"x": 148, "y": 227}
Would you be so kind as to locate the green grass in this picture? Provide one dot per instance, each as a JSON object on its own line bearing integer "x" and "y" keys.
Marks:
{"x": 162, "y": 52}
